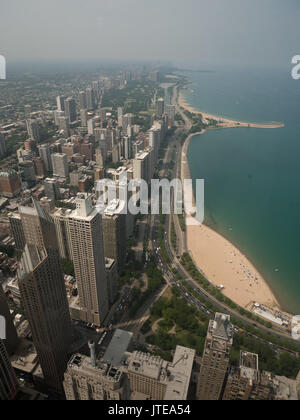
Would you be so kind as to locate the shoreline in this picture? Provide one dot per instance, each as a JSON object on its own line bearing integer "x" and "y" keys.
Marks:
{"x": 223, "y": 121}
{"x": 216, "y": 257}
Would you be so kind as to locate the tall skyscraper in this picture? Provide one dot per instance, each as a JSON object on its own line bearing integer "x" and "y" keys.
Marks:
{"x": 43, "y": 294}
{"x": 82, "y": 100}
{"x": 60, "y": 101}
{"x": 120, "y": 116}
{"x": 8, "y": 380}
{"x": 57, "y": 116}
{"x": 45, "y": 155}
{"x": 70, "y": 109}
{"x": 51, "y": 189}
{"x": 86, "y": 237}
{"x": 160, "y": 107}
{"x": 33, "y": 129}
{"x": 2, "y": 145}
{"x": 38, "y": 167}
{"x": 114, "y": 233}
{"x": 142, "y": 166}
{"x": 60, "y": 165}
{"x": 11, "y": 341}
{"x": 91, "y": 126}
{"x": 83, "y": 117}
{"x": 127, "y": 119}
{"x": 90, "y": 99}
{"x": 215, "y": 360}
{"x": 64, "y": 125}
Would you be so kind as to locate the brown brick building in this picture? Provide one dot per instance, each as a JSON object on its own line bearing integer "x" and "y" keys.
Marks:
{"x": 10, "y": 184}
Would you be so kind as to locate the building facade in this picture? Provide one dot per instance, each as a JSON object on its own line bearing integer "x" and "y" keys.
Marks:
{"x": 8, "y": 380}
{"x": 43, "y": 294}
{"x": 86, "y": 237}
{"x": 215, "y": 360}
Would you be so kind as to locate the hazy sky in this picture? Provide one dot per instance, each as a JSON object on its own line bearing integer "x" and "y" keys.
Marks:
{"x": 208, "y": 32}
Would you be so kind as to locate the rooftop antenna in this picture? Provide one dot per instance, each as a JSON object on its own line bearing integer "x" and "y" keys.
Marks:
{"x": 93, "y": 353}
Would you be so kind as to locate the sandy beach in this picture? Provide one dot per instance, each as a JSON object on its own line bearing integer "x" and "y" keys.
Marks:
{"x": 224, "y": 265}
{"x": 221, "y": 262}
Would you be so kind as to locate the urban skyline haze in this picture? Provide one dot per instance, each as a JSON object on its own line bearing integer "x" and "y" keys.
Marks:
{"x": 194, "y": 32}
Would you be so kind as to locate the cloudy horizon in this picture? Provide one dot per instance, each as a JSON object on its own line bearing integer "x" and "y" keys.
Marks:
{"x": 194, "y": 32}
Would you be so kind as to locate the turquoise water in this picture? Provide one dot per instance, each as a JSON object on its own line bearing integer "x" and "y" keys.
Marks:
{"x": 252, "y": 176}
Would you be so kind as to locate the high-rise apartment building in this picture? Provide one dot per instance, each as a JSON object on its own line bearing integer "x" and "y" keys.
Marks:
{"x": 43, "y": 294}
{"x": 64, "y": 125}
{"x": 91, "y": 126}
{"x": 2, "y": 145}
{"x": 33, "y": 129}
{"x": 154, "y": 140}
{"x": 247, "y": 383}
{"x": 82, "y": 100}
{"x": 120, "y": 116}
{"x": 38, "y": 167}
{"x": 127, "y": 119}
{"x": 160, "y": 107}
{"x": 171, "y": 111}
{"x": 114, "y": 233}
{"x": 27, "y": 173}
{"x": 60, "y": 101}
{"x": 215, "y": 360}
{"x": 51, "y": 189}
{"x": 60, "y": 165}
{"x": 45, "y": 155}
{"x": 10, "y": 184}
{"x": 83, "y": 117}
{"x": 112, "y": 279}
{"x": 143, "y": 165}
{"x": 90, "y": 99}
{"x": 70, "y": 109}
{"x": 8, "y": 380}
{"x": 86, "y": 237}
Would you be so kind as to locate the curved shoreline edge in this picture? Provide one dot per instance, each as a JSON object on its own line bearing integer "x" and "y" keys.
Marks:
{"x": 226, "y": 122}
{"x": 219, "y": 259}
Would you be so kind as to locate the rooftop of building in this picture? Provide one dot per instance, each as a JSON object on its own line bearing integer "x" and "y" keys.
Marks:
{"x": 83, "y": 366}
{"x": 142, "y": 155}
{"x": 175, "y": 376}
{"x": 249, "y": 360}
{"x": 25, "y": 358}
{"x": 114, "y": 208}
{"x": 249, "y": 366}
{"x": 118, "y": 346}
{"x": 181, "y": 371}
{"x": 221, "y": 328}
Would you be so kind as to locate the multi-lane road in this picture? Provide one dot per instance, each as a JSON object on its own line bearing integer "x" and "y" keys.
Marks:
{"x": 172, "y": 280}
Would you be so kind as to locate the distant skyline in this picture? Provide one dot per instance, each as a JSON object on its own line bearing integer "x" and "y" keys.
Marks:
{"x": 244, "y": 33}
